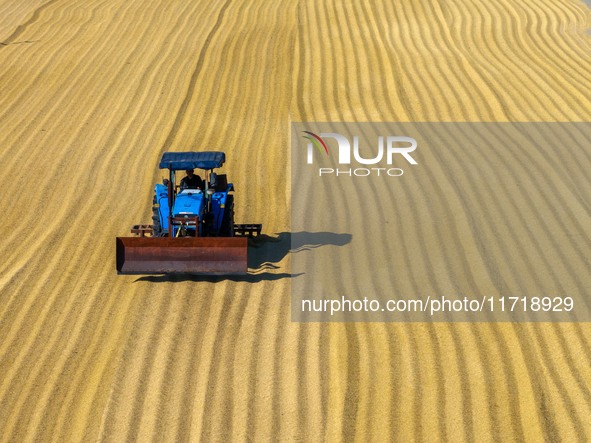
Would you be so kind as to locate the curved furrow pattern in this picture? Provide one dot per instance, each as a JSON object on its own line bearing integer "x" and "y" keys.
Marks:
{"x": 59, "y": 255}
{"x": 562, "y": 95}
{"x": 515, "y": 240}
{"x": 94, "y": 92}
{"x": 77, "y": 136}
{"x": 466, "y": 400}
{"x": 30, "y": 21}
{"x": 12, "y": 14}
{"x": 80, "y": 270}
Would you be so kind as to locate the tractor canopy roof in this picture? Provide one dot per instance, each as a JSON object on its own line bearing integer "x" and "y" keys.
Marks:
{"x": 192, "y": 160}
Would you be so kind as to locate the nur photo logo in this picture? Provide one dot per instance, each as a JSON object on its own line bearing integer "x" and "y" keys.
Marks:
{"x": 388, "y": 148}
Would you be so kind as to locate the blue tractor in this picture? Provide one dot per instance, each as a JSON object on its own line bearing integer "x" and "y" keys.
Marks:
{"x": 193, "y": 227}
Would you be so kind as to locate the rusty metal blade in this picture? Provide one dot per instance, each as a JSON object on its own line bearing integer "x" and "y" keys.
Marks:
{"x": 196, "y": 255}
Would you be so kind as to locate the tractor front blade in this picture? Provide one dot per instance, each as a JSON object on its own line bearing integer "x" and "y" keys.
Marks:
{"x": 195, "y": 255}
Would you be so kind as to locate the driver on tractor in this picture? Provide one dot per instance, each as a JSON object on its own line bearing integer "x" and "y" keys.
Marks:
{"x": 191, "y": 181}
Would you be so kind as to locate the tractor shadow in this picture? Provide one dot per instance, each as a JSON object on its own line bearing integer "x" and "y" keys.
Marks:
{"x": 264, "y": 254}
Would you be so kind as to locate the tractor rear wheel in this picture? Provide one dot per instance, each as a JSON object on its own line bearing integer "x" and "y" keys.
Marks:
{"x": 227, "y": 227}
{"x": 157, "y": 228}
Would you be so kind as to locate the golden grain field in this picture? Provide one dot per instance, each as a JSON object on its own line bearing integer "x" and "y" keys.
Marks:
{"x": 93, "y": 91}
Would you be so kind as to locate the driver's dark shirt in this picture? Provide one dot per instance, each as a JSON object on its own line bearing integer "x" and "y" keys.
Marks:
{"x": 192, "y": 183}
